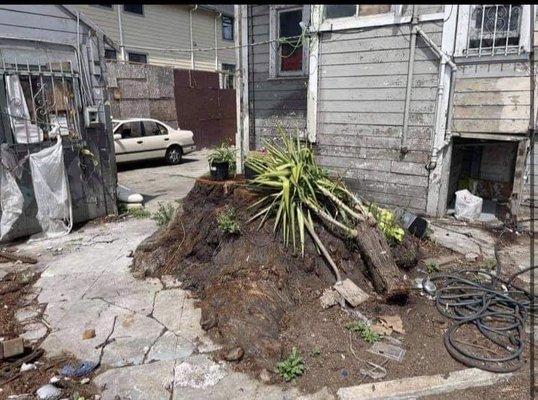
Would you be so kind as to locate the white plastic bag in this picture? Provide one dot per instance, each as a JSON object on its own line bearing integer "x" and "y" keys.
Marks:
{"x": 11, "y": 201}
{"x": 468, "y": 206}
{"x": 51, "y": 192}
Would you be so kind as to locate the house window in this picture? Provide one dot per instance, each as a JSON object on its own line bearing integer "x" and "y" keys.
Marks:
{"x": 134, "y": 8}
{"x": 227, "y": 28}
{"x": 291, "y": 47}
{"x": 494, "y": 29}
{"x": 349, "y": 10}
{"x": 138, "y": 57}
{"x": 110, "y": 54}
{"x": 228, "y": 76}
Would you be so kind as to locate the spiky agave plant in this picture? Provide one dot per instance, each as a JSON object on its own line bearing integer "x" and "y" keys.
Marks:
{"x": 296, "y": 189}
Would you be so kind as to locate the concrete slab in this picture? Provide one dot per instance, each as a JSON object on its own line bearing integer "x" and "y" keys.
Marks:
{"x": 411, "y": 388}
{"x": 141, "y": 382}
{"x": 170, "y": 347}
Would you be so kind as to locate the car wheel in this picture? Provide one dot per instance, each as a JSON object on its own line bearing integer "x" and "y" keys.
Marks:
{"x": 173, "y": 155}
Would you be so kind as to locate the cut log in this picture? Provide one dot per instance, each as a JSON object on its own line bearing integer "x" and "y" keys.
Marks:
{"x": 386, "y": 277}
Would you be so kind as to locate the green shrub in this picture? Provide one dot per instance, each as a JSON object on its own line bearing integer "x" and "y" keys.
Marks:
{"x": 164, "y": 214}
{"x": 138, "y": 213}
{"x": 366, "y": 332}
{"x": 227, "y": 221}
{"x": 432, "y": 267}
{"x": 291, "y": 367}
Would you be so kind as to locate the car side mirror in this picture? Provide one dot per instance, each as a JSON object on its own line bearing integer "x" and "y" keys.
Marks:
{"x": 117, "y": 136}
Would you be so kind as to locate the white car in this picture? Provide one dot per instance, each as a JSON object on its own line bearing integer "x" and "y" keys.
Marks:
{"x": 146, "y": 138}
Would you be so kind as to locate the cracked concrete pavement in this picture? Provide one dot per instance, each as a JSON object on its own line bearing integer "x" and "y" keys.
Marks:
{"x": 148, "y": 338}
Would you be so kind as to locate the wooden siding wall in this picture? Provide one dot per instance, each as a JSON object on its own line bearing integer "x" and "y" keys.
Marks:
{"x": 361, "y": 94}
{"x": 492, "y": 98}
{"x": 165, "y": 26}
{"x": 270, "y": 100}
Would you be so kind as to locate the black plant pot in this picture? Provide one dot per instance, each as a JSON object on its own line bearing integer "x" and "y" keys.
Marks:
{"x": 219, "y": 170}
{"x": 250, "y": 173}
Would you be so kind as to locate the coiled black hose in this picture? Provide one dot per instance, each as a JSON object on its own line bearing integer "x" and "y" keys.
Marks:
{"x": 495, "y": 306}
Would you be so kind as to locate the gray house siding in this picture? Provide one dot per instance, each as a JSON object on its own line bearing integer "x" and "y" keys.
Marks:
{"x": 43, "y": 34}
{"x": 274, "y": 100}
{"x": 361, "y": 100}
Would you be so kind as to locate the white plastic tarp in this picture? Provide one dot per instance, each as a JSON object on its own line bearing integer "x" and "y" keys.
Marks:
{"x": 23, "y": 130}
{"x": 468, "y": 206}
{"x": 11, "y": 201}
{"x": 51, "y": 192}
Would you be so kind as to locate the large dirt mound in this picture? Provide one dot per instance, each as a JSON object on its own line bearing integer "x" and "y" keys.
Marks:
{"x": 249, "y": 283}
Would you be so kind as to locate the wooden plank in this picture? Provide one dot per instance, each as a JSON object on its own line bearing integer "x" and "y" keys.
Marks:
{"x": 492, "y": 112}
{"x": 355, "y": 163}
{"x": 340, "y": 44}
{"x": 491, "y": 125}
{"x": 386, "y": 94}
{"x": 494, "y": 70}
{"x": 492, "y": 84}
{"x": 379, "y": 56}
{"x": 376, "y": 106}
{"x": 373, "y": 69}
{"x": 385, "y": 187}
{"x": 370, "y": 141}
{"x": 386, "y": 81}
{"x": 433, "y": 28}
{"x": 373, "y": 153}
{"x": 408, "y": 168}
{"x": 516, "y": 97}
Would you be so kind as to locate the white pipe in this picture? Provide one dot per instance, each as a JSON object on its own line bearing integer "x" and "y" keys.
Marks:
{"x": 216, "y": 42}
{"x": 120, "y": 27}
{"x": 190, "y": 30}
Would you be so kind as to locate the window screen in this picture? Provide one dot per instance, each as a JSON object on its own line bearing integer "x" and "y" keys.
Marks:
{"x": 340, "y": 10}
{"x": 227, "y": 28}
{"x": 138, "y": 57}
{"x": 291, "y": 52}
{"x": 134, "y": 8}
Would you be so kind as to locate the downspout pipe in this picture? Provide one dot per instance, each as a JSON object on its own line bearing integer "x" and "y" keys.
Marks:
{"x": 120, "y": 28}
{"x": 411, "y": 63}
{"x": 191, "y": 35}
{"x": 440, "y": 125}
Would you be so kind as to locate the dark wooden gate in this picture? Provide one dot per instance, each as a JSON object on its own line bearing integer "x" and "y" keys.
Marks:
{"x": 204, "y": 108}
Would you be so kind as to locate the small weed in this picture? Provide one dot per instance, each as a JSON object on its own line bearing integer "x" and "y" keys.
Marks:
{"x": 227, "y": 221}
{"x": 164, "y": 214}
{"x": 366, "y": 332}
{"x": 432, "y": 267}
{"x": 291, "y": 367}
{"x": 490, "y": 263}
{"x": 315, "y": 352}
{"x": 139, "y": 213}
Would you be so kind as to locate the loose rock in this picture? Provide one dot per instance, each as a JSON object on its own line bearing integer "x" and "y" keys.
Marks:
{"x": 472, "y": 256}
{"x": 48, "y": 392}
{"x": 329, "y": 298}
{"x": 88, "y": 334}
{"x": 235, "y": 354}
{"x": 265, "y": 376}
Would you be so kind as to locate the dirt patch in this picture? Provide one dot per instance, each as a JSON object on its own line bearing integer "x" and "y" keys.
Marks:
{"x": 258, "y": 295}
{"x": 16, "y": 291}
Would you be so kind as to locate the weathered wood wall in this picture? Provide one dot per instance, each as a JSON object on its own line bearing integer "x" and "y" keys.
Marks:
{"x": 492, "y": 98}
{"x": 361, "y": 93}
{"x": 280, "y": 100}
{"x": 142, "y": 91}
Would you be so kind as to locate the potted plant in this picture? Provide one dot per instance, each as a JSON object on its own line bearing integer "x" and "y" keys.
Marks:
{"x": 255, "y": 159}
{"x": 220, "y": 161}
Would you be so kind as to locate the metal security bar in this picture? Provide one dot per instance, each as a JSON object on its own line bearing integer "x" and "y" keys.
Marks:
{"x": 494, "y": 29}
{"x": 43, "y": 100}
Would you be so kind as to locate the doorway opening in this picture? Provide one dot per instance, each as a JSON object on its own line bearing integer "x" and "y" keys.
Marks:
{"x": 486, "y": 169}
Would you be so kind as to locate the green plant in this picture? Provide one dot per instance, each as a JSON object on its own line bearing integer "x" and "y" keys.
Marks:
{"x": 227, "y": 221}
{"x": 490, "y": 263}
{"x": 315, "y": 352}
{"x": 386, "y": 221}
{"x": 432, "y": 267}
{"x": 365, "y": 331}
{"x": 223, "y": 153}
{"x": 138, "y": 213}
{"x": 291, "y": 367}
{"x": 164, "y": 214}
{"x": 296, "y": 188}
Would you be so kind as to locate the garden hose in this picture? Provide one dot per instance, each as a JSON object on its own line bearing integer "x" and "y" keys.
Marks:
{"x": 493, "y": 305}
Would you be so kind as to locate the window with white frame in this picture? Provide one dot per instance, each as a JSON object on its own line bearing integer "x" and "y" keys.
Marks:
{"x": 333, "y": 17}
{"x": 493, "y": 29}
{"x": 287, "y": 50}
{"x": 358, "y": 10}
